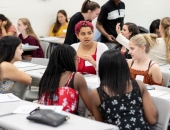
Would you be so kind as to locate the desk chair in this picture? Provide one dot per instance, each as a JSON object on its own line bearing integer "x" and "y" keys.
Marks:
{"x": 44, "y": 46}
{"x": 163, "y": 107}
{"x": 82, "y": 110}
{"x": 166, "y": 79}
{"x": 19, "y": 90}
{"x": 31, "y": 94}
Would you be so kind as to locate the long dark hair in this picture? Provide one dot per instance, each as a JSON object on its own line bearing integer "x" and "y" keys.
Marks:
{"x": 3, "y": 18}
{"x": 62, "y": 59}
{"x": 57, "y": 24}
{"x": 114, "y": 72}
{"x": 89, "y": 5}
{"x": 8, "y": 45}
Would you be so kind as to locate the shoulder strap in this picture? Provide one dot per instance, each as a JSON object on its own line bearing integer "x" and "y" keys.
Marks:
{"x": 135, "y": 85}
{"x": 149, "y": 66}
{"x": 71, "y": 75}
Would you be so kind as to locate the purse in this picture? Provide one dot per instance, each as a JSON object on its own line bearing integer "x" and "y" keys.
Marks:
{"x": 48, "y": 117}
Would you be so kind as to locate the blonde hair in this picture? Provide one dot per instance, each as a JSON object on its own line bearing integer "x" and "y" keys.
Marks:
{"x": 29, "y": 29}
{"x": 147, "y": 40}
{"x": 165, "y": 22}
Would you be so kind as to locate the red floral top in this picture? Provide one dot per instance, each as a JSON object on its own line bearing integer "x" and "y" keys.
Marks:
{"x": 66, "y": 96}
{"x": 84, "y": 68}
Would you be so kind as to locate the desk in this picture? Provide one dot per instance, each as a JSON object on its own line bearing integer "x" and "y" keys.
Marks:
{"x": 19, "y": 121}
{"x": 29, "y": 48}
{"x": 27, "y": 66}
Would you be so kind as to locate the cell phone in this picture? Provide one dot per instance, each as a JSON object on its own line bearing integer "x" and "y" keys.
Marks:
{"x": 149, "y": 87}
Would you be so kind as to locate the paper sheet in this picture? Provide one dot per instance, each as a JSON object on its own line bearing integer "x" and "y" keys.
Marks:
{"x": 49, "y": 38}
{"x": 26, "y": 109}
{"x": 167, "y": 96}
{"x": 157, "y": 93}
{"x": 24, "y": 64}
{"x": 9, "y": 97}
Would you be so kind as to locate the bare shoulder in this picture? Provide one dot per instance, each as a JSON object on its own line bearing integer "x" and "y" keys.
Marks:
{"x": 79, "y": 77}
{"x": 154, "y": 66}
{"x": 7, "y": 66}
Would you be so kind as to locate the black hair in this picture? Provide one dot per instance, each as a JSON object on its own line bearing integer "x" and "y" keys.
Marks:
{"x": 89, "y": 5}
{"x": 57, "y": 24}
{"x": 62, "y": 59}
{"x": 154, "y": 25}
{"x": 3, "y": 18}
{"x": 8, "y": 45}
{"x": 114, "y": 72}
{"x": 132, "y": 28}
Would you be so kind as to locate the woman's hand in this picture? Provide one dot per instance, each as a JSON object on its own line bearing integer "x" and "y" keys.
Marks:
{"x": 90, "y": 59}
{"x": 3, "y": 24}
{"x": 118, "y": 28}
{"x": 27, "y": 57}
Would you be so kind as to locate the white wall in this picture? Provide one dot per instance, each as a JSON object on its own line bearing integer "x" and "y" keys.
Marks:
{"x": 42, "y": 13}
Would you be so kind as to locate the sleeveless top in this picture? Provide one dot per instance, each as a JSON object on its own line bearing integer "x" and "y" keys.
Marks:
{"x": 125, "y": 112}
{"x": 65, "y": 96}
{"x": 6, "y": 85}
{"x": 84, "y": 68}
{"x": 147, "y": 78}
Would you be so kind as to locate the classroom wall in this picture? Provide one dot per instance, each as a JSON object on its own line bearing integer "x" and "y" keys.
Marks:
{"x": 42, "y": 13}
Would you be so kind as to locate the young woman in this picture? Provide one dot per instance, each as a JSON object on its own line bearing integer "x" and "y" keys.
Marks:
{"x": 6, "y": 27}
{"x": 60, "y": 84}
{"x": 154, "y": 27}
{"x": 10, "y": 52}
{"x": 121, "y": 100}
{"x": 28, "y": 36}
{"x": 59, "y": 28}
{"x": 89, "y": 11}
{"x": 88, "y": 51}
{"x": 128, "y": 31}
{"x": 141, "y": 65}
{"x": 160, "y": 52}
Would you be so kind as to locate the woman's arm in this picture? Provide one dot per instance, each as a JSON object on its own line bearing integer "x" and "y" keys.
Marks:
{"x": 95, "y": 103}
{"x": 9, "y": 71}
{"x": 120, "y": 38}
{"x": 150, "y": 111}
{"x": 156, "y": 73}
{"x": 81, "y": 85}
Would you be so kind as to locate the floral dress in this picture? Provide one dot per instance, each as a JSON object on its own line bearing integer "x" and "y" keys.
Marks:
{"x": 65, "y": 96}
{"x": 6, "y": 85}
{"x": 125, "y": 112}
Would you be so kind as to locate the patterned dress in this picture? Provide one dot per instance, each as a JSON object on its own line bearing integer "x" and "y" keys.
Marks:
{"x": 65, "y": 96}
{"x": 125, "y": 112}
{"x": 6, "y": 85}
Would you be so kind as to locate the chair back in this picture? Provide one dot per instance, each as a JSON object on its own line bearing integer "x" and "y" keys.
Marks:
{"x": 163, "y": 107}
{"x": 166, "y": 78}
{"x": 40, "y": 61}
{"x": 19, "y": 90}
{"x": 82, "y": 110}
{"x": 44, "y": 46}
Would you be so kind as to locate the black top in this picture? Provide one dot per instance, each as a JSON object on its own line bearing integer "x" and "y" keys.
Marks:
{"x": 70, "y": 35}
{"x": 110, "y": 15}
{"x": 126, "y": 112}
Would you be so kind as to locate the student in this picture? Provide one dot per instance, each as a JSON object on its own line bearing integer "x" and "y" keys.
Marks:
{"x": 128, "y": 31}
{"x": 112, "y": 12}
{"x": 59, "y": 28}
{"x": 159, "y": 53}
{"x": 10, "y": 52}
{"x": 60, "y": 84}
{"x": 89, "y": 11}
{"x": 154, "y": 27}
{"x": 28, "y": 36}
{"x": 6, "y": 27}
{"x": 140, "y": 64}
{"x": 121, "y": 100}
{"x": 88, "y": 51}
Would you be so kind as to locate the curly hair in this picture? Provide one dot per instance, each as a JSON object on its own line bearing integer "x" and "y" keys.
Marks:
{"x": 81, "y": 24}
